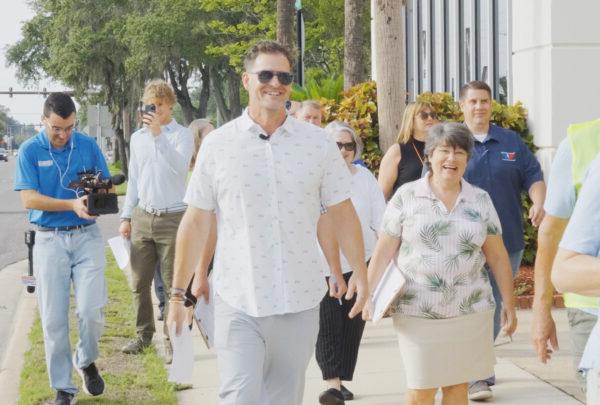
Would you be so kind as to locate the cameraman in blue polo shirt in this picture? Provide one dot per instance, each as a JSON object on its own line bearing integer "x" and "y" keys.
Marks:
{"x": 503, "y": 166}
{"x": 68, "y": 245}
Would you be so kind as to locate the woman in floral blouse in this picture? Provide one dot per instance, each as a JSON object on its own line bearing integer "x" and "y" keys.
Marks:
{"x": 443, "y": 230}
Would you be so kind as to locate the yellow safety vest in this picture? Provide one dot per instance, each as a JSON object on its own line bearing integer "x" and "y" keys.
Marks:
{"x": 584, "y": 139}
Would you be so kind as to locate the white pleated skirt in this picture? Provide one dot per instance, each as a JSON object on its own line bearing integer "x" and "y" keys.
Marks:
{"x": 443, "y": 352}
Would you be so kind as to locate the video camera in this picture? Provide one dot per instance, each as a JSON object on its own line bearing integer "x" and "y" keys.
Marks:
{"x": 92, "y": 183}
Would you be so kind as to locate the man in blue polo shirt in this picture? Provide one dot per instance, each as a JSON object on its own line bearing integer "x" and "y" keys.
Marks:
{"x": 503, "y": 166}
{"x": 68, "y": 245}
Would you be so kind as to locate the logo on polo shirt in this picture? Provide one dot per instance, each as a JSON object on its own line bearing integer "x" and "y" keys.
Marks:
{"x": 44, "y": 163}
{"x": 509, "y": 156}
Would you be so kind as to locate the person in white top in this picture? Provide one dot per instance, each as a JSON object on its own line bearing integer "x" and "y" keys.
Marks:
{"x": 339, "y": 336}
{"x": 262, "y": 179}
{"x": 159, "y": 162}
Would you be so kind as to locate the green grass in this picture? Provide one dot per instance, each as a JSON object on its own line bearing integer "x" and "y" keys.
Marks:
{"x": 129, "y": 379}
{"x": 115, "y": 168}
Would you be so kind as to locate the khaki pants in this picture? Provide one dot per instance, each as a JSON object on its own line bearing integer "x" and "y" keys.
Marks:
{"x": 152, "y": 241}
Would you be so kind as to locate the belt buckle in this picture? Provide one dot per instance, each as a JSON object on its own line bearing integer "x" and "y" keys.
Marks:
{"x": 156, "y": 212}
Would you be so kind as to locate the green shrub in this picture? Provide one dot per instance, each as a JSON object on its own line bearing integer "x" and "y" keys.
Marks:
{"x": 358, "y": 107}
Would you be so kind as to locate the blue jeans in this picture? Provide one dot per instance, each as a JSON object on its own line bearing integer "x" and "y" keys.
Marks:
{"x": 515, "y": 263}
{"x": 61, "y": 258}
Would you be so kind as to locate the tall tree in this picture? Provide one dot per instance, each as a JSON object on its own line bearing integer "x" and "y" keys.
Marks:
{"x": 389, "y": 67}
{"x": 353, "y": 45}
{"x": 79, "y": 43}
{"x": 171, "y": 38}
{"x": 285, "y": 22}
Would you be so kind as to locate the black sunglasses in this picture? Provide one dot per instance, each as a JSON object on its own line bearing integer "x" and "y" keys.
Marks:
{"x": 424, "y": 115}
{"x": 350, "y": 146}
{"x": 265, "y": 76}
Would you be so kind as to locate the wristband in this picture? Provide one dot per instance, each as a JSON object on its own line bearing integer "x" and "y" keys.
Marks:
{"x": 177, "y": 291}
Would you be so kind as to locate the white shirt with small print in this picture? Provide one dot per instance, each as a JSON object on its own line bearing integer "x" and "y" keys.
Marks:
{"x": 267, "y": 196}
{"x": 158, "y": 168}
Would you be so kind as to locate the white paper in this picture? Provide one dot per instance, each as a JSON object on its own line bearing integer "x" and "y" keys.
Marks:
{"x": 204, "y": 315}
{"x": 391, "y": 284}
{"x": 121, "y": 249}
{"x": 182, "y": 367}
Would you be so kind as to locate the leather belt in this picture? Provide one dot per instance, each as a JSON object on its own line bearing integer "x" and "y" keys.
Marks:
{"x": 62, "y": 228}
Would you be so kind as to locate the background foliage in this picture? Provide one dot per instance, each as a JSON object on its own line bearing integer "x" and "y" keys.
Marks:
{"x": 358, "y": 107}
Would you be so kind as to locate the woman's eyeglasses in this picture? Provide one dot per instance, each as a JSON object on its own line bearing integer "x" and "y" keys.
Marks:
{"x": 350, "y": 146}
{"x": 424, "y": 115}
{"x": 265, "y": 76}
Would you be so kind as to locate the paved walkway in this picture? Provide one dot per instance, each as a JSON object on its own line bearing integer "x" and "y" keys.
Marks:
{"x": 379, "y": 378}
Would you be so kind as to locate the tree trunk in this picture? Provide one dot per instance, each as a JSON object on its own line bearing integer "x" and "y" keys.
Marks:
{"x": 233, "y": 94}
{"x": 223, "y": 113}
{"x": 353, "y": 38}
{"x": 204, "y": 91}
{"x": 178, "y": 76}
{"x": 285, "y": 23}
{"x": 389, "y": 68}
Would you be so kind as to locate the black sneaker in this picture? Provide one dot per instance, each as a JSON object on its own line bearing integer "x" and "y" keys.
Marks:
{"x": 347, "y": 394}
{"x": 331, "y": 397}
{"x": 64, "y": 398}
{"x": 93, "y": 384}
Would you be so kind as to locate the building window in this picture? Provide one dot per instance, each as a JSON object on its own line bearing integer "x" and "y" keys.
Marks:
{"x": 451, "y": 42}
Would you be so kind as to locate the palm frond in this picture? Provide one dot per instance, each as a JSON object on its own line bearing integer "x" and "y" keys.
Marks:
{"x": 436, "y": 283}
{"x": 451, "y": 262}
{"x": 466, "y": 305}
{"x": 466, "y": 246}
{"x": 472, "y": 215}
{"x": 428, "y": 312}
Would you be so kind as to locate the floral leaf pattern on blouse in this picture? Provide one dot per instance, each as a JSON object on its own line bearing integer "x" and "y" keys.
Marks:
{"x": 466, "y": 246}
{"x": 430, "y": 234}
{"x": 466, "y": 305}
{"x": 440, "y": 253}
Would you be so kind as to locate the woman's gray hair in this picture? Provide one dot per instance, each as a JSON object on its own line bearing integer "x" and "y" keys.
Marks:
{"x": 450, "y": 134}
{"x": 337, "y": 126}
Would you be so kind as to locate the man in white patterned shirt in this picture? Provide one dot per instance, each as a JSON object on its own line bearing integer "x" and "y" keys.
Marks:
{"x": 158, "y": 167}
{"x": 262, "y": 179}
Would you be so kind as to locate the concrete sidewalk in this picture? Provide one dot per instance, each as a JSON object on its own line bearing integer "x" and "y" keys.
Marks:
{"x": 379, "y": 377}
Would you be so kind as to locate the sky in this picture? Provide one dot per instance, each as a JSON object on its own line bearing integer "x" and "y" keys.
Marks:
{"x": 24, "y": 108}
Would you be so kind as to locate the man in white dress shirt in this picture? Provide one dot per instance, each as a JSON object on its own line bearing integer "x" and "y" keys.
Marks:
{"x": 158, "y": 167}
{"x": 261, "y": 179}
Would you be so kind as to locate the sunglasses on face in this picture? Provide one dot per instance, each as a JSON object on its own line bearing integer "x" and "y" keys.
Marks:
{"x": 350, "y": 146}
{"x": 424, "y": 115}
{"x": 265, "y": 76}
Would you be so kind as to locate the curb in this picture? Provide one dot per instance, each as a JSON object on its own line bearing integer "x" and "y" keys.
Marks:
{"x": 10, "y": 372}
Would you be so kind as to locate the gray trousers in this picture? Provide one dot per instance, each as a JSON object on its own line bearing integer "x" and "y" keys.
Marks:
{"x": 263, "y": 361}
{"x": 580, "y": 326}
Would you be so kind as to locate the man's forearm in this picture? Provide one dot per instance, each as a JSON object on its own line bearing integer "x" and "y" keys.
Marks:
{"x": 207, "y": 251}
{"x": 576, "y": 273}
{"x": 549, "y": 235}
{"x": 348, "y": 233}
{"x": 329, "y": 245}
{"x": 194, "y": 230}
{"x": 31, "y": 199}
{"x": 537, "y": 193}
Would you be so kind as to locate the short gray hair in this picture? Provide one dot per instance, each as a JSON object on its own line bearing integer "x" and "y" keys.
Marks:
{"x": 450, "y": 134}
{"x": 337, "y": 126}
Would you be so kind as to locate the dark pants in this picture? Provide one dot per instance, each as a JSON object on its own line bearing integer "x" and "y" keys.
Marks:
{"x": 339, "y": 337}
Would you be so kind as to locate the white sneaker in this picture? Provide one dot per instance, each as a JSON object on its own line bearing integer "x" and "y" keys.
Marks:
{"x": 480, "y": 391}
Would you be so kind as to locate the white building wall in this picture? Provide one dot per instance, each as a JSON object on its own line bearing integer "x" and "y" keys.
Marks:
{"x": 556, "y": 66}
